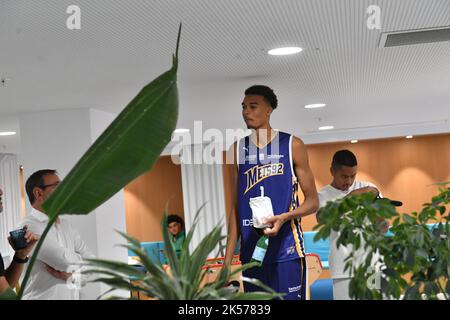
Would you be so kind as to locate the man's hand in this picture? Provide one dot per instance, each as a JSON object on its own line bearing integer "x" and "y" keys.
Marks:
{"x": 58, "y": 274}
{"x": 384, "y": 225}
{"x": 31, "y": 239}
{"x": 276, "y": 222}
{"x": 364, "y": 190}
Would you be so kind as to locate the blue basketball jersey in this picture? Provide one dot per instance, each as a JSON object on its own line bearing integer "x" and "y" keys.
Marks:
{"x": 272, "y": 168}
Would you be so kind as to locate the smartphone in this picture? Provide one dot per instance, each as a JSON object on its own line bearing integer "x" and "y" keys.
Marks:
{"x": 18, "y": 239}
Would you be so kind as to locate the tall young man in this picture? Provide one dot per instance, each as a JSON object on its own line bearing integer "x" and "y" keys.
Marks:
{"x": 278, "y": 162}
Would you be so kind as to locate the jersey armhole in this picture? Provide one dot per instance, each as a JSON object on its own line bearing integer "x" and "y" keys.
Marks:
{"x": 290, "y": 158}
{"x": 237, "y": 153}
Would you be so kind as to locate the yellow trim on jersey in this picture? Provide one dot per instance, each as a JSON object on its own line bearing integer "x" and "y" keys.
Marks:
{"x": 300, "y": 231}
{"x": 297, "y": 240}
{"x": 299, "y": 227}
{"x": 296, "y": 231}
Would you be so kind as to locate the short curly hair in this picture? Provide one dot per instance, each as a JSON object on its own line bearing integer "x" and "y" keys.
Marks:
{"x": 174, "y": 218}
{"x": 343, "y": 158}
{"x": 264, "y": 91}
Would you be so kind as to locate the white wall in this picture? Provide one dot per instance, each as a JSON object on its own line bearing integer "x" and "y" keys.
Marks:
{"x": 9, "y": 144}
{"x": 56, "y": 140}
{"x": 110, "y": 216}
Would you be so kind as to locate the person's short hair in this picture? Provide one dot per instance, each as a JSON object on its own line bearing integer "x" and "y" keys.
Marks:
{"x": 36, "y": 180}
{"x": 343, "y": 158}
{"x": 174, "y": 218}
{"x": 264, "y": 91}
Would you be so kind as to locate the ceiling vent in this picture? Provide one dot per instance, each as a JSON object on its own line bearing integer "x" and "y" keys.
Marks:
{"x": 411, "y": 37}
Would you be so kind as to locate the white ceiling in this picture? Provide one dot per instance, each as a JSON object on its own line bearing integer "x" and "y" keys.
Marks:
{"x": 369, "y": 91}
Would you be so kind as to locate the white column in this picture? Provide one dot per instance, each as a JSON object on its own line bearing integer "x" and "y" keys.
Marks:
{"x": 56, "y": 140}
{"x": 11, "y": 215}
{"x": 202, "y": 184}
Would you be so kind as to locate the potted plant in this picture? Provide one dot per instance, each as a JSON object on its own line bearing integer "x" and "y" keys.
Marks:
{"x": 414, "y": 254}
{"x": 184, "y": 281}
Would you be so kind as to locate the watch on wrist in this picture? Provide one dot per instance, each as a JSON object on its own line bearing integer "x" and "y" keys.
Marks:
{"x": 18, "y": 260}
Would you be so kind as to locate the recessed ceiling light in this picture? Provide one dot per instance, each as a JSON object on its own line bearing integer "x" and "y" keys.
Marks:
{"x": 11, "y": 133}
{"x": 409, "y": 137}
{"x": 181, "y": 130}
{"x": 284, "y": 51}
{"x": 315, "y": 105}
{"x": 3, "y": 81}
{"x": 326, "y": 128}
{"x": 354, "y": 141}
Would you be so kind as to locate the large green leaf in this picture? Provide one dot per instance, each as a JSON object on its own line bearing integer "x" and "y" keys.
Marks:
{"x": 127, "y": 148}
{"x": 8, "y": 294}
{"x": 184, "y": 281}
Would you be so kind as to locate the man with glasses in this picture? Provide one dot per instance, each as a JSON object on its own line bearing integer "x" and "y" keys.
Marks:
{"x": 55, "y": 271}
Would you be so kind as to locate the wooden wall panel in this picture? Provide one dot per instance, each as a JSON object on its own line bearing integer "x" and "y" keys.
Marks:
{"x": 403, "y": 169}
{"x": 147, "y": 196}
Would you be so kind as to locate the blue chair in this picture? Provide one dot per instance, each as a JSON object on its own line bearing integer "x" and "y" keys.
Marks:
{"x": 434, "y": 226}
{"x": 153, "y": 250}
{"x": 431, "y": 227}
{"x": 237, "y": 249}
{"x": 162, "y": 256}
{"x": 321, "y": 247}
{"x": 321, "y": 289}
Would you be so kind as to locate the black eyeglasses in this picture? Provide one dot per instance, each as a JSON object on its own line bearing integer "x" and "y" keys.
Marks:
{"x": 49, "y": 185}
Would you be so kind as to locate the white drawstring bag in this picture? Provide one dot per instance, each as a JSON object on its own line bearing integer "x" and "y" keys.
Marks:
{"x": 261, "y": 210}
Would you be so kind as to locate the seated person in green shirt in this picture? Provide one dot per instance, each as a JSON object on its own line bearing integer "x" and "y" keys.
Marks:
{"x": 176, "y": 232}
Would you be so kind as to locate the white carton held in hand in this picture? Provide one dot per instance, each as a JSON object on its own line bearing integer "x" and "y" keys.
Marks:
{"x": 261, "y": 210}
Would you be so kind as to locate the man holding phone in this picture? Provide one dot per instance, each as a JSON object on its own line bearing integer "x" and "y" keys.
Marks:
{"x": 10, "y": 276}
{"x": 344, "y": 167}
{"x": 56, "y": 275}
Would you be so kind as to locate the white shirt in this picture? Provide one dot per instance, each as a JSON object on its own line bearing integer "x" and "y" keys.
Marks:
{"x": 338, "y": 255}
{"x": 63, "y": 249}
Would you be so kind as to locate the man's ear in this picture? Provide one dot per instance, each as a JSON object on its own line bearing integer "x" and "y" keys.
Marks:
{"x": 332, "y": 171}
{"x": 37, "y": 193}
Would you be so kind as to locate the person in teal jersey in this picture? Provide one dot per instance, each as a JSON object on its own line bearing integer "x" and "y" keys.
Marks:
{"x": 276, "y": 162}
{"x": 175, "y": 225}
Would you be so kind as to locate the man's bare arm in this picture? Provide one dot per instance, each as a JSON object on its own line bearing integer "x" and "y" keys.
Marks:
{"x": 307, "y": 185}
{"x": 233, "y": 225}
{"x": 364, "y": 190}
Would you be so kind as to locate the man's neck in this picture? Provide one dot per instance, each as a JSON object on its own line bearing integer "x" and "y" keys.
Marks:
{"x": 333, "y": 184}
{"x": 39, "y": 208}
{"x": 262, "y": 136}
